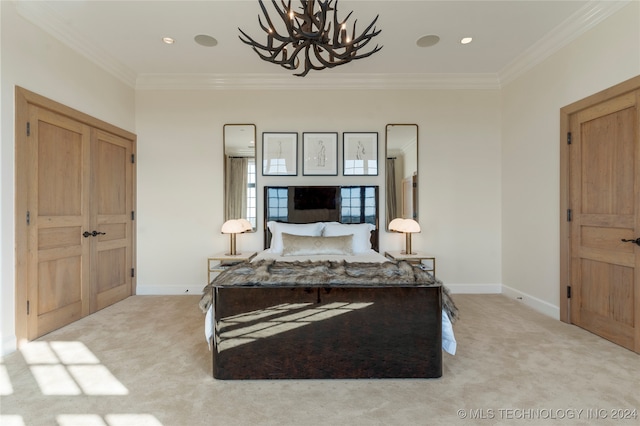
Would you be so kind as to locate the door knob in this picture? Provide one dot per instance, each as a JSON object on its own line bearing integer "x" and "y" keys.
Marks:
{"x": 92, "y": 234}
{"x": 637, "y": 241}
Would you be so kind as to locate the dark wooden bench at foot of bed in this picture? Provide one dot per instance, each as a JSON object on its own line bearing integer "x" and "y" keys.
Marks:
{"x": 327, "y": 332}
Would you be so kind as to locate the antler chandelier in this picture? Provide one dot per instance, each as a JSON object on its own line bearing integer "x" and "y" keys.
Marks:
{"x": 315, "y": 34}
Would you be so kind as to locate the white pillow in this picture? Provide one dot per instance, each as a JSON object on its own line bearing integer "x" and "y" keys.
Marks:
{"x": 299, "y": 245}
{"x": 361, "y": 234}
{"x": 305, "y": 229}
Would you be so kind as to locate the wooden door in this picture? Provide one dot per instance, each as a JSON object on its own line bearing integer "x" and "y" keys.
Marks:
{"x": 112, "y": 210}
{"x": 75, "y": 189}
{"x": 604, "y": 203}
{"x": 58, "y": 264}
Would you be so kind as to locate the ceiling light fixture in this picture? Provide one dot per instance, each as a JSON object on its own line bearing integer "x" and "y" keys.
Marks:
{"x": 168, "y": 40}
{"x": 466, "y": 40}
{"x": 314, "y": 31}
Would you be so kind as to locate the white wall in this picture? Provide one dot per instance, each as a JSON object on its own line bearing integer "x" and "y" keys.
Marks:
{"x": 180, "y": 192}
{"x": 37, "y": 62}
{"x": 603, "y": 57}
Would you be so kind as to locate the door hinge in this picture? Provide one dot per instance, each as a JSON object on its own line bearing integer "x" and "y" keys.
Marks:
{"x": 28, "y": 217}
{"x": 28, "y": 128}
{"x": 568, "y": 292}
{"x": 133, "y": 272}
{"x": 133, "y": 158}
{"x": 568, "y": 138}
{"x": 133, "y": 215}
{"x": 27, "y": 307}
{"x": 569, "y": 215}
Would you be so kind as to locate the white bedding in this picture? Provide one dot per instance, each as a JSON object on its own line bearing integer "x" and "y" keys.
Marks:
{"x": 449, "y": 343}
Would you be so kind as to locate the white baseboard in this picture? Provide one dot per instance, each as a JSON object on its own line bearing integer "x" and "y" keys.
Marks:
{"x": 533, "y": 302}
{"x": 474, "y": 288}
{"x": 163, "y": 290}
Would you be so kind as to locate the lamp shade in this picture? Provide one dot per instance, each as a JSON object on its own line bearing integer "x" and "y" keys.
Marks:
{"x": 233, "y": 226}
{"x": 246, "y": 224}
{"x": 404, "y": 225}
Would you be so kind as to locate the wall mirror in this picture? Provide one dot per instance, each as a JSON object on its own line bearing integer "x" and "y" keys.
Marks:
{"x": 240, "y": 200}
{"x": 401, "y": 180}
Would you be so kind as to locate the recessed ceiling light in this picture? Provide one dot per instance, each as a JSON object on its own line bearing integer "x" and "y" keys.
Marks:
{"x": 168, "y": 40}
{"x": 466, "y": 40}
{"x": 205, "y": 40}
{"x": 428, "y": 40}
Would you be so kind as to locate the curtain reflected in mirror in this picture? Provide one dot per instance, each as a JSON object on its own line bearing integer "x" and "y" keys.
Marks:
{"x": 240, "y": 172}
{"x": 401, "y": 178}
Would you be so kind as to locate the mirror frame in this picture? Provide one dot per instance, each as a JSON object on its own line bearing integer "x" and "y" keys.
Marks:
{"x": 414, "y": 177}
{"x": 245, "y": 145}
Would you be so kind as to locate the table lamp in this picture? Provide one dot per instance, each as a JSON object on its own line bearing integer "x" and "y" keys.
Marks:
{"x": 233, "y": 227}
{"x": 408, "y": 226}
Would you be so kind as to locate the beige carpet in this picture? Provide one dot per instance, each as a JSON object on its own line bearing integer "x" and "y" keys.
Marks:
{"x": 152, "y": 367}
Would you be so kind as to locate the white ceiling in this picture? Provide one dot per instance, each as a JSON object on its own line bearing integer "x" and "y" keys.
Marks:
{"x": 124, "y": 37}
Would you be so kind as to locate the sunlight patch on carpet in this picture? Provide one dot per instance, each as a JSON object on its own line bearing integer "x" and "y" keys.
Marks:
{"x": 69, "y": 368}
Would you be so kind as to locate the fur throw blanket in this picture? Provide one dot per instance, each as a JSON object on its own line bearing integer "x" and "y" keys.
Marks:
{"x": 268, "y": 272}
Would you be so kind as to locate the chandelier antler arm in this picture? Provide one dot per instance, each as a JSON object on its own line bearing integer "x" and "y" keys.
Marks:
{"x": 312, "y": 20}
{"x": 355, "y": 43}
{"x": 270, "y": 30}
{"x": 351, "y": 48}
{"x": 291, "y": 20}
{"x": 251, "y": 42}
{"x": 271, "y": 35}
{"x": 308, "y": 65}
{"x": 331, "y": 62}
{"x": 286, "y": 19}
{"x": 273, "y": 52}
{"x": 366, "y": 34}
{"x": 301, "y": 34}
{"x": 340, "y": 31}
{"x": 339, "y": 58}
{"x": 343, "y": 58}
{"x": 268, "y": 18}
{"x": 287, "y": 63}
{"x": 296, "y": 22}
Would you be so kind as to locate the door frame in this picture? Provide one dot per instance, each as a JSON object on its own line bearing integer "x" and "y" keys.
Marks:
{"x": 566, "y": 112}
{"x": 23, "y": 99}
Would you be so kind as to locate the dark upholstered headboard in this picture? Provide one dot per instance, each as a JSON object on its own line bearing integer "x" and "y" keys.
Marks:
{"x": 306, "y": 204}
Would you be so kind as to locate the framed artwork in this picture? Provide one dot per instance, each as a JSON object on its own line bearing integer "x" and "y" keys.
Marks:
{"x": 320, "y": 154}
{"x": 360, "y": 154}
{"x": 279, "y": 154}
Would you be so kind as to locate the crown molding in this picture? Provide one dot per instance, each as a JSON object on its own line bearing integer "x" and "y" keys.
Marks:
{"x": 42, "y": 15}
{"x": 316, "y": 82}
{"x": 590, "y": 15}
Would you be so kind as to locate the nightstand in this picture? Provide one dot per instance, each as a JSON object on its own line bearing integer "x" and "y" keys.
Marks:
{"x": 426, "y": 259}
{"x": 220, "y": 262}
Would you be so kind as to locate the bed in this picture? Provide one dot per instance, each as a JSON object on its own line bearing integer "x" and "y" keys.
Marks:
{"x": 320, "y": 302}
